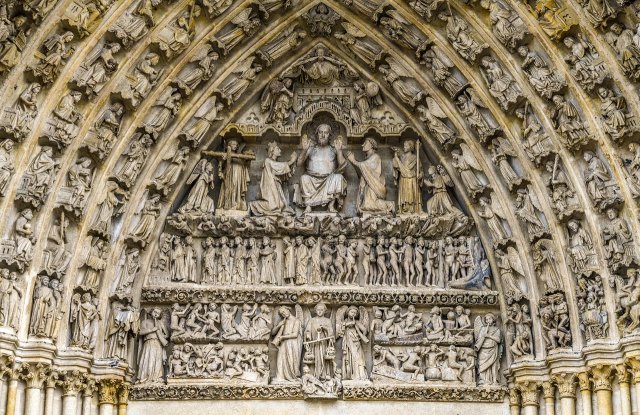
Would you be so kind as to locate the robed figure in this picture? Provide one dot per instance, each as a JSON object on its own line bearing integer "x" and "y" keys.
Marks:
{"x": 372, "y": 189}
{"x": 272, "y": 200}
{"x": 488, "y": 346}
{"x": 234, "y": 175}
{"x": 198, "y": 200}
{"x": 352, "y": 326}
{"x": 320, "y": 343}
{"x": 288, "y": 339}
{"x": 408, "y": 175}
{"x": 152, "y": 355}
{"x": 322, "y": 184}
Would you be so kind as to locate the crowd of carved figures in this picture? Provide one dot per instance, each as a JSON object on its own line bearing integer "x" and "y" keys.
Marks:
{"x": 319, "y": 347}
{"x": 311, "y": 260}
{"x": 407, "y": 252}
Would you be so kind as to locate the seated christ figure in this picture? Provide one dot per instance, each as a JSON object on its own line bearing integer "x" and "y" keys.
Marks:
{"x": 322, "y": 183}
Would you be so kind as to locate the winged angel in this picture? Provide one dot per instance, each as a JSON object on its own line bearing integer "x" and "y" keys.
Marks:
{"x": 492, "y": 213}
{"x": 406, "y": 90}
{"x": 353, "y": 39}
{"x": 468, "y": 166}
{"x": 469, "y": 104}
{"x": 435, "y": 119}
{"x": 198, "y": 201}
{"x": 352, "y": 326}
{"x": 512, "y": 273}
{"x": 529, "y": 211}
{"x": 287, "y": 338}
{"x": 245, "y": 73}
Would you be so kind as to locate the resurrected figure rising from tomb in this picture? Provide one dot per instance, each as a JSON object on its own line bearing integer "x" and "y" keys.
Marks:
{"x": 322, "y": 183}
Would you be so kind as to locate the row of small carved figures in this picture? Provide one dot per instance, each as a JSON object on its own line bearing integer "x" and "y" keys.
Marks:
{"x": 385, "y": 261}
{"x": 252, "y": 364}
{"x": 308, "y": 225}
{"x": 254, "y": 323}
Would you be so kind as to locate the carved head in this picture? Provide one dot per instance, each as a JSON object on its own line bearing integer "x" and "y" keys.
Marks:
{"x": 588, "y": 155}
{"x": 568, "y": 41}
{"x": 284, "y": 311}
{"x": 323, "y": 134}
{"x": 320, "y": 309}
{"x": 557, "y": 99}
{"x": 232, "y": 145}
{"x": 523, "y": 51}
{"x": 273, "y": 150}
{"x": 352, "y": 312}
{"x": 490, "y": 319}
{"x": 370, "y": 144}
{"x": 459, "y": 310}
{"x": 611, "y": 213}
{"x": 573, "y": 225}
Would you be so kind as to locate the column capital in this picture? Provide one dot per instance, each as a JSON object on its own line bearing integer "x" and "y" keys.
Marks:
{"x": 107, "y": 391}
{"x": 73, "y": 382}
{"x": 529, "y": 393}
{"x": 634, "y": 368}
{"x": 566, "y": 384}
{"x": 622, "y": 373}
{"x": 35, "y": 374}
{"x": 53, "y": 379}
{"x": 514, "y": 396}
{"x": 584, "y": 381}
{"x": 123, "y": 393}
{"x": 548, "y": 390}
{"x": 601, "y": 375}
{"x": 90, "y": 387}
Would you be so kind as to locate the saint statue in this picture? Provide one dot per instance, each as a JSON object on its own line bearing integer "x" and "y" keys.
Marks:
{"x": 408, "y": 174}
{"x": 319, "y": 341}
{"x": 372, "y": 188}
{"x": 288, "y": 340}
{"x": 272, "y": 200}
{"x": 233, "y": 171}
{"x": 152, "y": 354}
{"x": 488, "y": 346}
{"x": 322, "y": 184}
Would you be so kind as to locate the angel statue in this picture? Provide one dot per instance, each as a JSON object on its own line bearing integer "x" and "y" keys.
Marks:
{"x": 488, "y": 345}
{"x": 469, "y": 104}
{"x": 287, "y": 41}
{"x": 406, "y": 90}
{"x": 441, "y": 66}
{"x": 492, "y": 213}
{"x": 288, "y": 340}
{"x": 354, "y": 40}
{"x": 277, "y": 101}
{"x": 433, "y": 116}
{"x": 501, "y": 150}
{"x": 460, "y": 37}
{"x": 319, "y": 344}
{"x": 546, "y": 265}
{"x": 97, "y": 68}
{"x": 468, "y": 166}
{"x": 198, "y": 201}
{"x": 177, "y": 157}
{"x": 528, "y": 209}
{"x": 245, "y": 25}
{"x": 352, "y": 325}
{"x": 440, "y": 203}
{"x": 272, "y": 200}
{"x": 189, "y": 79}
{"x": 322, "y": 184}
{"x": 204, "y": 118}
{"x": 246, "y": 72}
{"x": 511, "y": 273}
{"x": 123, "y": 325}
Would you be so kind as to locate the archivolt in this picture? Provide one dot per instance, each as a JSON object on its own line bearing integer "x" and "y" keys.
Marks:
{"x": 609, "y": 150}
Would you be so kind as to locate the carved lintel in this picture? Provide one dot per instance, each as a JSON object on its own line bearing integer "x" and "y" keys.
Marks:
{"x": 601, "y": 376}
{"x": 328, "y": 295}
{"x": 529, "y": 392}
{"x": 107, "y": 391}
{"x": 566, "y": 384}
